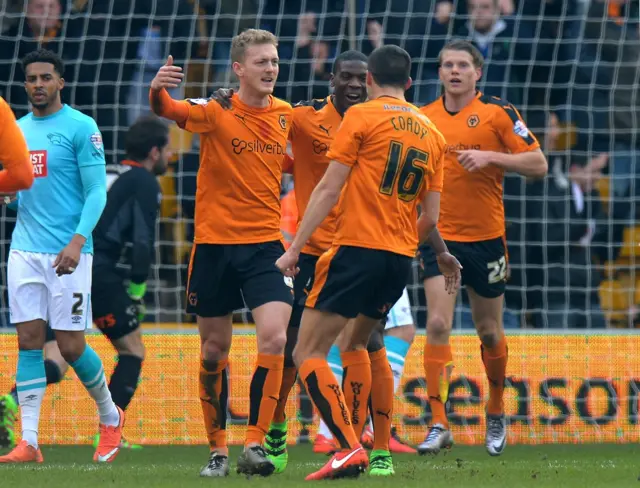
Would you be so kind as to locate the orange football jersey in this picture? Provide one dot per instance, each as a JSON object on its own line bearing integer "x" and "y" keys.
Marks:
{"x": 314, "y": 125}
{"x": 238, "y": 183}
{"x": 471, "y": 206}
{"x": 396, "y": 156}
{"x": 17, "y": 172}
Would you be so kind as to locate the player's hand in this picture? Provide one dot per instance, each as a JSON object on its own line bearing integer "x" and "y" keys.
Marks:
{"x": 223, "y": 97}
{"x": 287, "y": 263}
{"x": 450, "y": 268}
{"x": 169, "y": 76}
{"x": 474, "y": 160}
{"x": 67, "y": 260}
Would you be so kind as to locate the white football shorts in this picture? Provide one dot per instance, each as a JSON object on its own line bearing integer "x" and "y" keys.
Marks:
{"x": 36, "y": 292}
{"x": 400, "y": 313}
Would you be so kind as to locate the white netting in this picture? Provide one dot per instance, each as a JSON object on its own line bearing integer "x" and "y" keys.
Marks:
{"x": 577, "y": 59}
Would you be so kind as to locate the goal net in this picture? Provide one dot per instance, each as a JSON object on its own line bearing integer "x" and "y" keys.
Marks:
{"x": 572, "y": 70}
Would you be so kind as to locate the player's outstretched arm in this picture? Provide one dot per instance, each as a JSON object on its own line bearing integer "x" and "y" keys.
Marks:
{"x": 168, "y": 76}
{"x": 17, "y": 172}
{"x": 324, "y": 197}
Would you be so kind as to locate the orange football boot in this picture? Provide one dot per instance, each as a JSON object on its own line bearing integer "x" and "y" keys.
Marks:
{"x": 110, "y": 441}
{"x": 348, "y": 463}
{"x": 23, "y": 453}
{"x": 324, "y": 445}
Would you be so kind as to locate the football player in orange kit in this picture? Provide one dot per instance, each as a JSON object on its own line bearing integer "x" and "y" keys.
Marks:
{"x": 392, "y": 157}
{"x": 17, "y": 170}
{"x": 313, "y": 129}
{"x": 237, "y": 238}
{"x": 485, "y": 136}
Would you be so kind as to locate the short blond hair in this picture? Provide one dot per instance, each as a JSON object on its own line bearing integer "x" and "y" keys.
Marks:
{"x": 250, "y": 37}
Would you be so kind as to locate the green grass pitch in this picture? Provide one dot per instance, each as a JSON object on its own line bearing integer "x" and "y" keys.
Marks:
{"x": 566, "y": 466}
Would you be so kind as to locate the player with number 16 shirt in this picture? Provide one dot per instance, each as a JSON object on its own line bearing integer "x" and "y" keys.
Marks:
{"x": 386, "y": 159}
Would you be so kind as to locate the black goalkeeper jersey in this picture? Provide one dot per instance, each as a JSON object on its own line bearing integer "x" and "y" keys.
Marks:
{"x": 127, "y": 227}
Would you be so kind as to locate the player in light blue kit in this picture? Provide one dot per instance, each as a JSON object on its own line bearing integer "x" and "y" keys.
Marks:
{"x": 49, "y": 268}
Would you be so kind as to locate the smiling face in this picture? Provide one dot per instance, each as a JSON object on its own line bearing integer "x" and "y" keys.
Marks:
{"x": 350, "y": 84}
{"x": 258, "y": 70}
{"x": 458, "y": 72}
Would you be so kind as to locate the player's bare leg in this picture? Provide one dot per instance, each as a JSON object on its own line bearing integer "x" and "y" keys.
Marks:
{"x": 318, "y": 332}
{"x": 215, "y": 343}
{"x": 397, "y": 342}
{"x": 487, "y": 317}
{"x": 31, "y": 384}
{"x": 438, "y": 362}
{"x": 271, "y": 325}
{"x": 365, "y": 334}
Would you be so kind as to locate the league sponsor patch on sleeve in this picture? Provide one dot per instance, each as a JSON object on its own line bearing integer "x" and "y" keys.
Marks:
{"x": 96, "y": 140}
{"x": 198, "y": 101}
{"x": 521, "y": 129}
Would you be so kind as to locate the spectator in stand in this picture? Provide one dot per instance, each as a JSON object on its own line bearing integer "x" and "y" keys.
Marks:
{"x": 565, "y": 208}
{"x": 152, "y": 41}
{"x": 43, "y": 25}
{"x": 224, "y": 19}
{"x": 409, "y": 24}
{"x": 310, "y": 62}
{"x": 506, "y": 50}
{"x": 606, "y": 101}
{"x": 556, "y": 27}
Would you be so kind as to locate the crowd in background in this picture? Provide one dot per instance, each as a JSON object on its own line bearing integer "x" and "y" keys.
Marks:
{"x": 572, "y": 67}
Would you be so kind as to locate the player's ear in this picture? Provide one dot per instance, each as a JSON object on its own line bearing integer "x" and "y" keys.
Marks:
{"x": 478, "y": 74}
{"x": 238, "y": 69}
{"x": 369, "y": 78}
{"x": 332, "y": 81}
{"x": 154, "y": 154}
{"x": 408, "y": 84}
{"x": 61, "y": 83}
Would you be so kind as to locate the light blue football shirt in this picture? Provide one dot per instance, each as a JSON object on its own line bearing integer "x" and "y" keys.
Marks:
{"x": 49, "y": 212}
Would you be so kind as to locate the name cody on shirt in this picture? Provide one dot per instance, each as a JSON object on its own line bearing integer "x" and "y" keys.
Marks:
{"x": 410, "y": 124}
{"x": 414, "y": 122}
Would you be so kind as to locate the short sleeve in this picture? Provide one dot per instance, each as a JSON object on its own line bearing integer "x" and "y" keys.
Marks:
{"x": 346, "y": 143}
{"x": 88, "y": 144}
{"x": 203, "y": 114}
{"x": 436, "y": 179}
{"x": 512, "y": 130}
